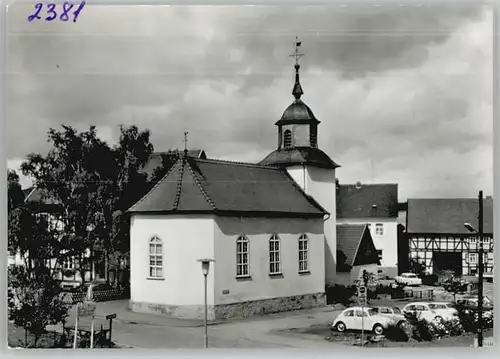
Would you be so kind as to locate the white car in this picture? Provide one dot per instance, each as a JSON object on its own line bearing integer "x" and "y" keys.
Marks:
{"x": 409, "y": 279}
{"x": 430, "y": 311}
{"x": 353, "y": 319}
{"x": 444, "y": 310}
{"x": 394, "y": 313}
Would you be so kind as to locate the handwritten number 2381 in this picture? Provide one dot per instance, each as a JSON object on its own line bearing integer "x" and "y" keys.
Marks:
{"x": 52, "y": 13}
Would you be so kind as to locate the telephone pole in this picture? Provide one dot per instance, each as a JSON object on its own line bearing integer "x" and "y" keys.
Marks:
{"x": 481, "y": 269}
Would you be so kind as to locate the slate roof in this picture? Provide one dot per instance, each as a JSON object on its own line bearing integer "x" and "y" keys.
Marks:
{"x": 447, "y": 215}
{"x": 33, "y": 195}
{"x": 195, "y": 185}
{"x": 297, "y": 112}
{"x": 358, "y": 201}
{"x": 349, "y": 237}
{"x": 298, "y": 156}
{"x": 155, "y": 160}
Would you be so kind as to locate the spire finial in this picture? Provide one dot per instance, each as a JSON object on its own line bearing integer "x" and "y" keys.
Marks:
{"x": 297, "y": 88}
{"x": 185, "y": 143}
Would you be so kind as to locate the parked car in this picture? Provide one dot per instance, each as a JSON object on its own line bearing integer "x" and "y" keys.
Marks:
{"x": 449, "y": 284}
{"x": 353, "y": 319}
{"x": 443, "y": 309}
{"x": 423, "y": 311}
{"x": 472, "y": 302}
{"x": 393, "y": 312}
{"x": 409, "y": 279}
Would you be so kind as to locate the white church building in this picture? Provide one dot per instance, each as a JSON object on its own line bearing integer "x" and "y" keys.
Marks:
{"x": 269, "y": 227}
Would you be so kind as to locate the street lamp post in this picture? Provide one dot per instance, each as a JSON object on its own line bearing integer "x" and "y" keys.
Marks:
{"x": 205, "y": 268}
{"x": 480, "y": 269}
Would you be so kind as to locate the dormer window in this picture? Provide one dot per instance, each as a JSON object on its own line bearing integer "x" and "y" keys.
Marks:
{"x": 287, "y": 139}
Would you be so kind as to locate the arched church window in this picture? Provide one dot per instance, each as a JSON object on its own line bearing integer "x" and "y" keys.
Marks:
{"x": 287, "y": 139}
{"x": 274, "y": 255}
{"x": 155, "y": 258}
{"x": 242, "y": 257}
{"x": 303, "y": 253}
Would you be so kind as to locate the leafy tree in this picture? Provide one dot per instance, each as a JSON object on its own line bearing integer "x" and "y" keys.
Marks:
{"x": 417, "y": 267}
{"x": 15, "y": 195}
{"x": 70, "y": 177}
{"x": 92, "y": 185}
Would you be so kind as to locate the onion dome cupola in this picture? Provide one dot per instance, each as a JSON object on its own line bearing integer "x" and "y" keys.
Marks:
{"x": 298, "y": 131}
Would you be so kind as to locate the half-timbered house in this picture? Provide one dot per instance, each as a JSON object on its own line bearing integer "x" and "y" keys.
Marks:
{"x": 436, "y": 236}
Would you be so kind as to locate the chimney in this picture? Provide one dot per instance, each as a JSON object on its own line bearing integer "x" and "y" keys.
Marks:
{"x": 358, "y": 184}
{"x": 374, "y": 210}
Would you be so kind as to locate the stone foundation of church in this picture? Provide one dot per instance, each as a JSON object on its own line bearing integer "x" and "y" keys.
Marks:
{"x": 268, "y": 306}
{"x": 234, "y": 310}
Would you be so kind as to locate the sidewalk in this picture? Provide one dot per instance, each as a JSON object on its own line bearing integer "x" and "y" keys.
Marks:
{"x": 123, "y": 314}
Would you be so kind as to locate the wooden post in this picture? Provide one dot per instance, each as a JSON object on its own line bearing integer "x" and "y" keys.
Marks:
{"x": 92, "y": 332}
{"x": 110, "y": 318}
{"x": 76, "y": 327}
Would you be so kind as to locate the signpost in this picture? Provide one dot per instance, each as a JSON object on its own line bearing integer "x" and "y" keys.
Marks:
{"x": 85, "y": 309}
{"x": 362, "y": 303}
{"x": 110, "y": 318}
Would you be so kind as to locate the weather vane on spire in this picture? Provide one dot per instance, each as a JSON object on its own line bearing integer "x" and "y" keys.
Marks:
{"x": 296, "y": 53}
{"x": 297, "y": 88}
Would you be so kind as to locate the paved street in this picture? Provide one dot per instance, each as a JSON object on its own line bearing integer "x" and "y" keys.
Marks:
{"x": 149, "y": 331}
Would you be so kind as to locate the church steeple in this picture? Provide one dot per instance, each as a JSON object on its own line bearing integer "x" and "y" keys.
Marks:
{"x": 298, "y": 130}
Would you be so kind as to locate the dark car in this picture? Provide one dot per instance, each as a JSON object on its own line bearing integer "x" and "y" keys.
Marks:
{"x": 450, "y": 283}
{"x": 472, "y": 302}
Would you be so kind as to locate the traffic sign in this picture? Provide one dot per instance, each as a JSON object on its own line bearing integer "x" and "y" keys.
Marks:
{"x": 86, "y": 309}
{"x": 362, "y": 295}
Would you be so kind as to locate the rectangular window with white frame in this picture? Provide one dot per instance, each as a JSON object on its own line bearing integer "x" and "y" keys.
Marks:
{"x": 472, "y": 258}
{"x": 274, "y": 255}
{"x": 379, "y": 229}
{"x": 303, "y": 254}
{"x": 242, "y": 257}
{"x": 155, "y": 258}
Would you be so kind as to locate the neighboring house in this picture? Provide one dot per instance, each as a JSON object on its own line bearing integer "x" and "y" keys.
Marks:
{"x": 436, "y": 236}
{"x": 271, "y": 228}
{"x": 356, "y": 253}
{"x": 375, "y": 205}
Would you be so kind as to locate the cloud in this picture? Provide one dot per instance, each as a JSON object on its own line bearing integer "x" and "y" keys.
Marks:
{"x": 404, "y": 93}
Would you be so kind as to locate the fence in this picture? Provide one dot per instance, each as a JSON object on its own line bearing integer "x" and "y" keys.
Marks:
{"x": 419, "y": 293}
{"x": 487, "y": 342}
{"x": 99, "y": 296}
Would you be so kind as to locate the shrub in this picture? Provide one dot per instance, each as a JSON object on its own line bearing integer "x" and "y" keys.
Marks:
{"x": 469, "y": 319}
{"x": 340, "y": 294}
{"x": 421, "y": 330}
{"x": 34, "y": 301}
{"x": 397, "y": 333}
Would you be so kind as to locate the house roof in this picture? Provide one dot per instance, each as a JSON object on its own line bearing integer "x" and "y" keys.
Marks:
{"x": 195, "y": 185}
{"x": 447, "y": 215}
{"x": 349, "y": 238}
{"x": 33, "y": 195}
{"x": 285, "y": 157}
{"x": 367, "y": 200}
{"x": 27, "y": 191}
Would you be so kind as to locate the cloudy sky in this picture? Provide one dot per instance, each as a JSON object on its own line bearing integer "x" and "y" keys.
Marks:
{"x": 404, "y": 94}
